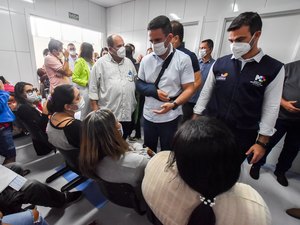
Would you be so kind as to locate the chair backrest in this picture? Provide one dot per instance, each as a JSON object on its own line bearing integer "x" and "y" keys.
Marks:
{"x": 121, "y": 194}
{"x": 71, "y": 158}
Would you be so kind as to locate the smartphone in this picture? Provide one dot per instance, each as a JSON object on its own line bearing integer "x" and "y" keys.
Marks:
{"x": 249, "y": 157}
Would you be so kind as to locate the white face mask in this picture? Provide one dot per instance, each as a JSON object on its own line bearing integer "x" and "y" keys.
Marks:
{"x": 121, "y": 52}
{"x": 72, "y": 53}
{"x": 159, "y": 48}
{"x": 202, "y": 52}
{"x": 61, "y": 56}
{"x": 32, "y": 97}
{"x": 80, "y": 105}
{"x": 239, "y": 49}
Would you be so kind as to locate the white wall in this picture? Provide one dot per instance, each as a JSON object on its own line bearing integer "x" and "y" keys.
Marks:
{"x": 17, "y": 61}
{"x": 131, "y": 19}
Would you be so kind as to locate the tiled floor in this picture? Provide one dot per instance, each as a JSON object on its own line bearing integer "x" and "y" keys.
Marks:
{"x": 277, "y": 197}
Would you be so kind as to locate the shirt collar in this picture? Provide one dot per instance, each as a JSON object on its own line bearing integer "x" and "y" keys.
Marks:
{"x": 111, "y": 59}
{"x": 255, "y": 58}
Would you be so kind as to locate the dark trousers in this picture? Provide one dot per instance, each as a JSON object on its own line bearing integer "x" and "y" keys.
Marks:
{"x": 291, "y": 144}
{"x": 188, "y": 111}
{"x": 127, "y": 129}
{"x": 244, "y": 139}
{"x": 162, "y": 131}
{"x": 33, "y": 192}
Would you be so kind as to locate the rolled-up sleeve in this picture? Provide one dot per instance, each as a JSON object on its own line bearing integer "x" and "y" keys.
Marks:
{"x": 271, "y": 105}
{"x": 205, "y": 92}
{"x": 94, "y": 84}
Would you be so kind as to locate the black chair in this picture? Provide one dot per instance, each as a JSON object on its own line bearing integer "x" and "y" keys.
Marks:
{"x": 71, "y": 160}
{"x": 121, "y": 194}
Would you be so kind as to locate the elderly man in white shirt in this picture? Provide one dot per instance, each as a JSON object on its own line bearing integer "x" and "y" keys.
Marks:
{"x": 111, "y": 84}
{"x": 162, "y": 108}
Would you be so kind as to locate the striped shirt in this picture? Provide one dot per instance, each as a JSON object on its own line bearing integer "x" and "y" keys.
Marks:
{"x": 173, "y": 201}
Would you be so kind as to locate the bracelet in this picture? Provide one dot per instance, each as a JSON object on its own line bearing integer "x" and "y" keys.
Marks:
{"x": 264, "y": 145}
{"x": 66, "y": 59}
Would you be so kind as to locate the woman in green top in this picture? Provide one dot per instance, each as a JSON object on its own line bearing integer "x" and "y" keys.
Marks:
{"x": 81, "y": 74}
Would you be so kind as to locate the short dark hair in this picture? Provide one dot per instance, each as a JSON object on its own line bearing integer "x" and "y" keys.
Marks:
{"x": 177, "y": 29}
{"x": 54, "y": 45}
{"x": 208, "y": 160}
{"x": 70, "y": 44}
{"x": 162, "y": 22}
{"x": 251, "y": 19}
{"x": 131, "y": 45}
{"x": 209, "y": 42}
{"x": 45, "y": 51}
{"x": 110, "y": 40}
{"x": 86, "y": 51}
{"x": 62, "y": 94}
{"x": 102, "y": 50}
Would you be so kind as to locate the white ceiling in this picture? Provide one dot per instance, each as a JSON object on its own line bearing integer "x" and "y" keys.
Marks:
{"x": 109, "y": 3}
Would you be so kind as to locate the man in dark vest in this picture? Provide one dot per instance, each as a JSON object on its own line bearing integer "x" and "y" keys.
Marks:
{"x": 244, "y": 89}
{"x": 288, "y": 123}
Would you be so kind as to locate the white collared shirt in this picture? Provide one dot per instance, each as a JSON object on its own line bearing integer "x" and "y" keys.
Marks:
{"x": 180, "y": 71}
{"x": 271, "y": 102}
{"x": 112, "y": 84}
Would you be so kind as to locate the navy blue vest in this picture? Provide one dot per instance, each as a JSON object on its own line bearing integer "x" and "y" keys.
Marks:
{"x": 238, "y": 95}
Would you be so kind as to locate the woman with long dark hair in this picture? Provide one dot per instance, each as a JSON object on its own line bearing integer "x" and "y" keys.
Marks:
{"x": 196, "y": 184}
{"x": 34, "y": 120}
{"x": 81, "y": 74}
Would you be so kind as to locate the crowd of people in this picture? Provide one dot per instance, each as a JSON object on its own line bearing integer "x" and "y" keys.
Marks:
{"x": 202, "y": 116}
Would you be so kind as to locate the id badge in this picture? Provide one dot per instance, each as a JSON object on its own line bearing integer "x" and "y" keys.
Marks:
{"x": 130, "y": 76}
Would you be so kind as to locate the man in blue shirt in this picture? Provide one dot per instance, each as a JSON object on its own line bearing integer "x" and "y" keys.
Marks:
{"x": 177, "y": 42}
{"x": 205, "y": 62}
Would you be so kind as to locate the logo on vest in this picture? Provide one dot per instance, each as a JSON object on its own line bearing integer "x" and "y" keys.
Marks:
{"x": 222, "y": 76}
{"x": 258, "y": 81}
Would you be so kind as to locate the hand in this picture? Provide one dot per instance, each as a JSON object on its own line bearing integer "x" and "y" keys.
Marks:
{"x": 139, "y": 58}
{"x": 163, "y": 96}
{"x": 1, "y": 85}
{"x": 45, "y": 110}
{"x": 66, "y": 53}
{"x": 258, "y": 152}
{"x": 166, "y": 107}
{"x": 289, "y": 106}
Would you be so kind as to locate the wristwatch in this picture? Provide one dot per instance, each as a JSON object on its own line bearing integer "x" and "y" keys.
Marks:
{"x": 175, "y": 105}
{"x": 264, "y": 145}
{"x": 67, "y": 59}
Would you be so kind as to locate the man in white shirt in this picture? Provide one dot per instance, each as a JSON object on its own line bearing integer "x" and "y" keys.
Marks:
{"x": 111, "y": 84}
{"x": 162, "y": 108}
{"x": 73, "y": 55}
{"x": 244, "y": 89}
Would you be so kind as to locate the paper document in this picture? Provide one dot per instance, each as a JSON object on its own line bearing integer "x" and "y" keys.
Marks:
{"x": 10, "y": 178}
{"x": 6, "y": 177}
{"x": 18, "y": 182}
